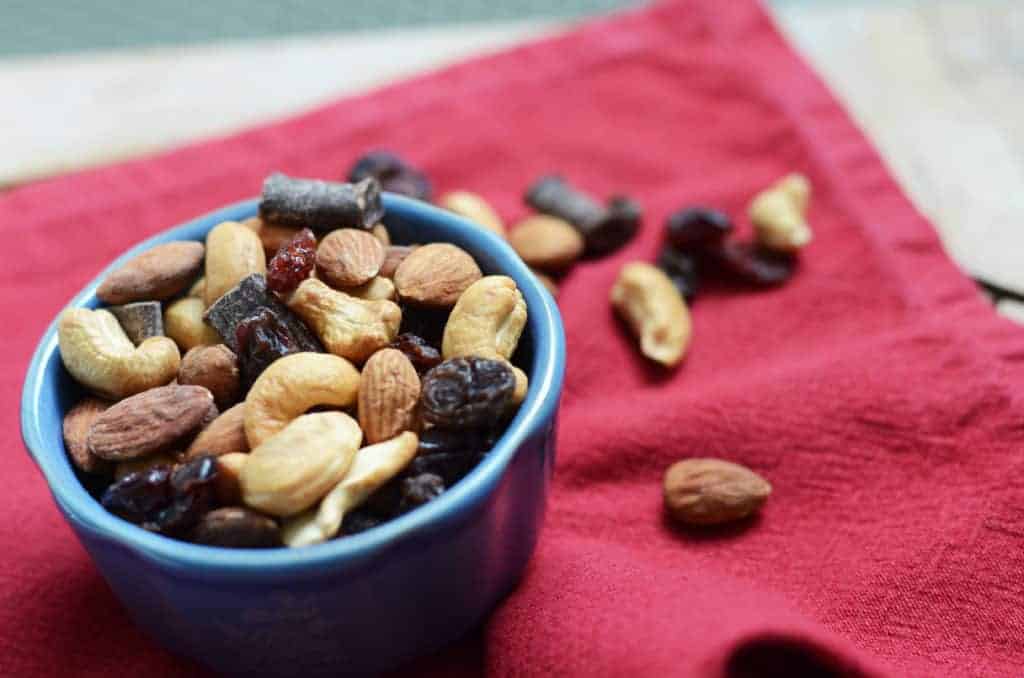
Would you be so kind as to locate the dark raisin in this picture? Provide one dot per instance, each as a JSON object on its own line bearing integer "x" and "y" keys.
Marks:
{"x": 697, "y": 228}
{"x": 750, "y": 263}
{"x": 418, "y": 490}
{"x": 139, "y": 496}
{"x": 393, "y": 173}
{"x": 426, "y": 323}
{"x": 292, "y": 263}
{"x": 262, "y": 339}
{"x": 681, "y": 269}
{"x": 360, "y": 520}
{"x": 465, "y": 393}
{"x": 450, "y": 466}
{"x": 193, "y": 494}
{"x": 421, "y": 354}
{"x": 236, "y": 527}
{"x": 439, "y": 441}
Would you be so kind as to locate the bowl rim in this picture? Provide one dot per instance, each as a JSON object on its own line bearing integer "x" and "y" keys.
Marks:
{"x": 540, "y": 405}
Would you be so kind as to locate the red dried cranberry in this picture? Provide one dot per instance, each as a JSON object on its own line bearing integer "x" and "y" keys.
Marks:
{"x": 697, "y": 228}
{"x": 292, "y": 263}
{"x": 420, "y": 353}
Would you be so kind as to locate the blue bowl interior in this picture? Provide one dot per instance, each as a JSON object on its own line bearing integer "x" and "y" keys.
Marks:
{"x": 49, "y": 391}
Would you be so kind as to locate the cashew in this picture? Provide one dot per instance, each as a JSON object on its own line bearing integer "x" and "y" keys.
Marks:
{"x": 372, "y": 467}
{"x": 474, "y": 208}
{"x": 487, "y": 320}
{"x": 522, "y": 386}
{"x": 233, "y": 251}
{"x": 377, "y": 289}
{"x": 100, "y": 356}
{"x": 292, "y": 470}
{"x": 380, "y": 232}
{"x": 198, "y": 288}
{"x": 229, "y": 468}
{"x": 348, "y": 327}
{"x": 292, "y": 385}
{"x": 778, "y": 214}
{"x": 183, "y": 322}
{"x": 654, "y": 310}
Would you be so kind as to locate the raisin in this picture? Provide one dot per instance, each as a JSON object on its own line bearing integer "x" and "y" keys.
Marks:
{"x": 465, "y": 393}
{"x": 421, "y": 354}
{"x": 450, "y": 466}
{"x": 139, "y": 496}
{"x": 262, "y": 339}
{"x": 292, "y": 263}
{"x": 192, "y": 495}
{"x": 441, "y": 441}
{"x": 393, "y": 173}
{"x": 681, "y": 269}
{"x": 750, "y": 263}
{"x": 360, "y": 520}
{"x": 418, "y": 490}
{"x": 426, "y": 323}
{"x": 697, "y": 228}
{"x": 237, "y": 528}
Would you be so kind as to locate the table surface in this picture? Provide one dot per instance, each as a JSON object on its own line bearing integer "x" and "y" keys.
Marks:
{"x": 935, "y": 84}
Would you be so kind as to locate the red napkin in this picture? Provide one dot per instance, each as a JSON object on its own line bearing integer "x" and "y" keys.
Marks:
{"x": 877, "y": 391}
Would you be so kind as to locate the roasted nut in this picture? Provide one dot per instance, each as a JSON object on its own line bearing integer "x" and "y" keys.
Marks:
{"x": 371, "y": 468}
{"x": 522, "y": 386}
{"x": 435, "y": 275}
{"x": 394, "y": 255}
{"x": 153, "y": 421}
{"x": 348, "y": 327}
{"x": 140, "y": 320}
{"x": 273, "y": 237}
{"x": 292, "y": 385}
{"x": 229, "y": 468}
{"x": 348, "y": 258}
{"x": 233, "y": 252}
{"x": 99, "y": 355}
{"x": 474, "y": 208}
{"x": 547, "y": 243}
{"x": 389, "y": 389}
{"x": 183, "y": 322}
{"x": 236, "y": 527}
{"x": 77, "y": 423}
{"x": 198, "y": 288}
{"x": 380, "y": 232}
{"x": 292, "y": 470}
{"x": 654, "y": 310}
{"x": 154, "y": 275}
{"x": 216, "y": 369}
{"x": 320, "y": 205}
{"x": 129, "y": 466}
{"x": 248, "y": 299}
{"x": 487, "y": 320}
{"x": 712, "y": 491}
{"x": 380, "y": 288}
{"x": 604, "y": 229}
{"x": 778, "y": 214}
{"x": 224, "y": 435}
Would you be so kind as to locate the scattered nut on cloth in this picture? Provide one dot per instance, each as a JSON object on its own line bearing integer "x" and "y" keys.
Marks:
{"x": 876, "y": 391}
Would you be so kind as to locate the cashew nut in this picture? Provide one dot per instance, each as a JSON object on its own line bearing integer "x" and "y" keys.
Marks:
{"x": 380, "y": 232}
{"x": 233, "y": 251}
{"x": 198, "y": 288}
{"x": 292, "y": 470}
{"x": 654, "y": 310}
{"x": 474, "y": 208}
{"x": 377, "y": 289}
{"x": 183, "y": 322}
{"x": 292, "y": 385}
{"x": 229, "y": 468}
{"x": 522, "y": 386}
{"x": 100, "y": 356}
{"x": 372, "y": 467}
{"x": 347, "y": 326}
{"x": 487, "y": 320}
{"x": 779, "y": 214}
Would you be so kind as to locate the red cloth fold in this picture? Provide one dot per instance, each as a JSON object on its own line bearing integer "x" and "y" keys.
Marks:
{"x": 877, "y": 391}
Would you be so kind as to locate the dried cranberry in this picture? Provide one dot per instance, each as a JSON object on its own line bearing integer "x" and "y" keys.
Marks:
{"x": 697, "y": 228}
{"x": 464, "y": 393}
{"x": 681, "y": 269}
{"x": 262, "y": 339}
{"x": 421, "y": 354}
{"x": 393, "y": 173}
{"x": 750, "y": 263}
{"x": 292, "y": 263}
{"x": 419, "y": 489}
{"x": 139, "y": 496}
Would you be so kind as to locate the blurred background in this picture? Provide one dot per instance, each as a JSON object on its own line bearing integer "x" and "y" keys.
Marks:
{"x": 935, "y": 83}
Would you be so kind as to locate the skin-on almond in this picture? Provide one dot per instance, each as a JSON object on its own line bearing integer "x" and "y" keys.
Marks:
{"x": 153, "y": 421}
{"x": 224, "y": 435}
{"x": 712, "y": 491}
{"x": 77, "y": 423}
{"x": 389, "y": 389}
{"x": 394, "y": 255}
{"x": 215, "y": 368}
{"x": 348, "y": 257}
{"x": 547, "y": 243}
{"x": 474, "y": 208}
{"x": 436, "y": 275}
{"x": 154, "y": 275}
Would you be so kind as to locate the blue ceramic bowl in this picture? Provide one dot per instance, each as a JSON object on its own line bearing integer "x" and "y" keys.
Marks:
{"x": 356, "y": 605}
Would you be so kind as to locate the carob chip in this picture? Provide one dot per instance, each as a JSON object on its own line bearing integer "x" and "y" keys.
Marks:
{"x": 604, "y": 229}
{"x": 141, "y": 320}
{"x": 246, "y": 300}
{"x": 320, "y": 205}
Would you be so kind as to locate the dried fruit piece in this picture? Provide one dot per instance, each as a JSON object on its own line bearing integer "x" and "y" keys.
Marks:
{"x": 247, "y": 299}
{"x": 394, "y": 255}
{"x": 130, "y": 466}
{"x": 320, "y": 205}
{"x": 193, "y": 493}
{"x": 547, "y": 243}
{"x": 474, "y": 208}
{"x": 292, "y": 263}
{"x": 183, "y": 322}
{"x": 467, "y": 393}
{"x": 697, "y": 228}
{"x": 436, "y": 275}
{"x": 393, "y": 173}
{"x": 235, "y": 527}
{"x": 449, "y": 466}
{"x": 139, "y": 496}
{"x": 224, "y": 435}
{"x": 750, "y": 263}
{"x": 428, "y": 323}
{"x": 681, "y": 268}
{"x": 420, "y": 353}
{"x": 77, "y": 423}
{"x": 156, "y": 274}
{"x": 435, "y": 441}
{"x": 389, "y": 390}
{"x": 712, "y": 491}
{"x": 347, "y": 257}
{"x": 140, "y": 320}
{"x": 233, "y": 252}
{"x": 419, "y": 489}
{"x": 654, "y": 310}
{"x": 215, "y": 368}
{"x": 261, "y": 340}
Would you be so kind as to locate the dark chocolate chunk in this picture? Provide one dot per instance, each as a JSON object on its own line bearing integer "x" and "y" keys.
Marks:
{"x": 246, "y": 300}
{"x": 141, "y": 320}
{"x": 320, "y": 205}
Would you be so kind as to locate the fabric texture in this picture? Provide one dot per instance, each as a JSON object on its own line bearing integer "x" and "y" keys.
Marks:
{"x": 877, "y": 391}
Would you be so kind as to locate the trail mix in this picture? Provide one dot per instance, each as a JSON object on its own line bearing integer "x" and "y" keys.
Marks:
{"x": 295, "y": 378}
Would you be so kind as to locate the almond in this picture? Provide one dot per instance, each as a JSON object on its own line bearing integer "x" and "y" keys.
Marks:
{"x": 77, "y": 423}
{"x": 393, "y": 256}
{"x": 389, "y": 389}
{"x": 214, "y": 368}
{"x": 151, "y": 422}
{"x": 436, "y": 275}
{"x": 348, "y": 257}
{"x": 224, "y": 435}
{"x": 547, "y": 243}
{"x": 154, "y": 275}
{"x": 712, "y": 491}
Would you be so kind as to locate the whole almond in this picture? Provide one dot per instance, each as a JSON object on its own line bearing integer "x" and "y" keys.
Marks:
{"x": 150, "y": 422}
{"x": 224, "y": 435}
{"x": 215, "y": 368}
{"x": 436, "y": 275}
{"x": 154, "y": 275}
{"x": 389, "y": 389}
{"x": 394, "y": 255}
{"x": 348, "y": 257}
{"x": 77, "y": 423}
{"x": 712, "y": 491}
{"x": 547, "y": 243}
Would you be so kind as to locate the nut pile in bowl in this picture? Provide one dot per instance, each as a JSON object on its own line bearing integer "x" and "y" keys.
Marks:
{"x": 295, "y": 378}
